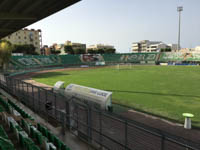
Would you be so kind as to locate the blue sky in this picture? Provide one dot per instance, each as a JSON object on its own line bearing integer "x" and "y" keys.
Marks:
{"x": 121, "y": 22}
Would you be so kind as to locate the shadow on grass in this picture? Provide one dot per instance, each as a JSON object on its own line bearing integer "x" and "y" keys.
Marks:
{"x": 125, "y": 108}
{"x": 152, "y": 93}
{"x": 50, "y": 74}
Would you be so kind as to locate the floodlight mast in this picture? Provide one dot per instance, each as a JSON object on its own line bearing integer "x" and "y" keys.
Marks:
{"x": 179, "y": 9}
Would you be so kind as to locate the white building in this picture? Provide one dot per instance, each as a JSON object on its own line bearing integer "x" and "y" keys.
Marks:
{"x": 26, "y": 36}
{"x": 144, "y": 45}
{"x": 189, "y": 50}
{"x": 197, "y": 48}
{"x": 174, "y": 47}
{"x": 156, "y": 47}
{"x": 100, "y": 46}
{"x": 151, "y": 46}
{"x": 75, "y": 46}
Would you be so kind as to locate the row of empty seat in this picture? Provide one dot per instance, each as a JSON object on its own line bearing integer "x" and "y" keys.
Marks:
{"x": 29, "y": 134}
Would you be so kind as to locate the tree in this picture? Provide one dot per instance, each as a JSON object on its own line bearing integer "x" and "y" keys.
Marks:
{"x": 165, "y": 49}
{"x": 68, "y": 49}
{"x": 110, "y": 51}
{"x": 55, "y": 52}
{"x": 5, "y": 53}
{"x": 168, "y": 49}
{"x": 27, "y": 49}
{"x": 91, "y": 51}
{"x": 100, "y": 51}
{"x": 79, "y": 51}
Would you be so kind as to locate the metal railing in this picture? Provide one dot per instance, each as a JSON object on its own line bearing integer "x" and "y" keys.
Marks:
{"x": 102, "y": 129}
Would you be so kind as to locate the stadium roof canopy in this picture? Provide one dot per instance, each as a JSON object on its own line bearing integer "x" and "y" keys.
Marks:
{"x": 17, "y": 14}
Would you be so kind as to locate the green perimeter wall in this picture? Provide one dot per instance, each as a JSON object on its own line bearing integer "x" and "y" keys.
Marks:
{"x": 131, "y": 57}
{"x": 36, "y": 61}
{"x": 178, "y": 56}
{"x": 22, "y": 62}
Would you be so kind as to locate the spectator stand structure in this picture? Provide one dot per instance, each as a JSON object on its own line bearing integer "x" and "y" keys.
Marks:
{"x": 24, "y": 132}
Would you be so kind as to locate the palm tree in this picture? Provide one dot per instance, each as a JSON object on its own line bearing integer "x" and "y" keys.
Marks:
{"x": 5, "y": 53}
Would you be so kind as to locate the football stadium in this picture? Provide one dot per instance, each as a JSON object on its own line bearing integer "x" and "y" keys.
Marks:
{"x": 126, "y": 101}
{"x": 133, "y": 79}
{"x": 150, "y": 92}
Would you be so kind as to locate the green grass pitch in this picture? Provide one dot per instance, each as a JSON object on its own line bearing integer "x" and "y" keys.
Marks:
{"x": 166, "y": 91}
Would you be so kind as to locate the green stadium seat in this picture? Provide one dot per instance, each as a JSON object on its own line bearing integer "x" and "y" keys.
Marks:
{"x": 2, "y": 108}
{"x": 3, "y": 133}
{"x": 22, "y": 137}
{"x": 39, "y": 137}
{"x": 51, "y": 146}
{"x": 33, "y": 147}
{"x": 57, "y": 142}
{"x": 44, "y": 131}
{"x": 28, "y": 143}
{"x": 23, "y": 123}
{"x": 5, "y": 143}
{"x": 39, "y": 127}
{"x": 50, "y": 137}
{"x": 32, "y": 132}
{"x": 64, "y": 147}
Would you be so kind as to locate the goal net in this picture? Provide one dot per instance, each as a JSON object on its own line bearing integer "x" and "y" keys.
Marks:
{"x": 124, "y": 66}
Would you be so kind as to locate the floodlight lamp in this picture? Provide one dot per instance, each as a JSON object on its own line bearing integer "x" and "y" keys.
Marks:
{"x": 180, "y": 8}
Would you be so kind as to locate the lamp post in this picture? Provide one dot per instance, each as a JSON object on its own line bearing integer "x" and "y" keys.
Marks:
{"x": 179, "y": 9}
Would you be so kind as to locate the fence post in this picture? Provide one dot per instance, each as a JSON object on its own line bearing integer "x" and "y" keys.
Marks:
{"x": 163, "y": 142}
{"x": 55, "y": 98}
{"x": 47, "y": 114}
{"x": 126, "y": 135}
{"x": 7, "y": 83}
{"x": 100, "y": 128}
{"x": 10, "y": 84}
{"x": 22, "y": 90}
{"x": 20, "y": 96}
{"x": 89, "y": 124}
{"x": 77, "y": 117}
{"x": 15, "y": 86}
{"x": 16, "y": 82}
{"x": 1, "y": 78}
{"x": 33, "y": 98}
{"x": 27, "y": 89}
{"x": 67, "y": 114}
{"x": 63, "y": 118}
{"x": 39, "y": 99}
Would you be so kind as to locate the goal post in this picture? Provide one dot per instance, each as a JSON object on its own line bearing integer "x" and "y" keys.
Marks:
{"x": 124, "y": 66}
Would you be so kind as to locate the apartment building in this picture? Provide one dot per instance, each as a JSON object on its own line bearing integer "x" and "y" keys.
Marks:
{"x": 144, "y": 46}
{"x": 156, "y": 47}
{"x": 26, "y": 36}
{"x": 61, "y": 47}
{"x": 100, "y": 46}
{"x": 197, "y": 48}
{"x": 151, "y": 46}
{"x": 76, "y": 45}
